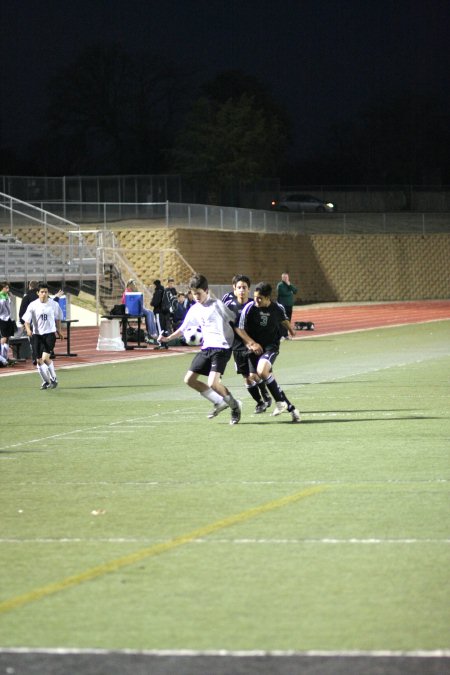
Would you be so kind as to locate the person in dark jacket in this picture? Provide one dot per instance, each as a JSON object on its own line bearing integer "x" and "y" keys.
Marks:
{"x": 157, "y": 300}
{"x": 30, "y": 296}
{"x": 286, "y": 297}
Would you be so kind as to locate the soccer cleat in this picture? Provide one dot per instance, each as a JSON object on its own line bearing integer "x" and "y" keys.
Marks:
{"x": 45, "y": 385}
{"x": 218, "y": 407}
{"x": 236, "y": 413}
{"x": 295, "y": 415}
{"x": 53, "y": 384}
{"x": 267, "y": 401}
{"x": 280, "y": 407}
{"x": 261, "y": 407}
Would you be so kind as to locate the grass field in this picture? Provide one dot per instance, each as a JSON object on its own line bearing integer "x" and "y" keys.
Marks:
{"x": 131, "y": 521}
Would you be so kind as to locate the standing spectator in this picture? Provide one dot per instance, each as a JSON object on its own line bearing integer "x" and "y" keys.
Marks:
{"x": 259, "y": 327}
{"x": 7, "y": 325}
{"x": 286, "y": 297}
{"x": 156, "y": 303}
{"x": 214, "y": 319}
{"x": 168, "y": 305}
{"x": 29, "y": 296}
{"x": 43, "y": 324}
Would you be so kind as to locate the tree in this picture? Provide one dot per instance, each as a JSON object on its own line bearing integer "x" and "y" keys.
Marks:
{"x": 111, "y": 112}
{"x": 403, "y": 139}
{"x": 234, "y": 132}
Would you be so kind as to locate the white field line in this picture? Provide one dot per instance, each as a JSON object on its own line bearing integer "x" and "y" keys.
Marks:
{"x": 434, "y": 653}
{"x": 309, "y": 334}
{"x": 269, "y": 542}
{"x": 210, "y": 483}
{"x": 182, "y": 353}
{"x": 100, "y": 427}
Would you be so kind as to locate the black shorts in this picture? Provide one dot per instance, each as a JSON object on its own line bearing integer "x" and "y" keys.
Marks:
{"x": 210, "y": 360}
{"x": 7, "y": 328}
{"x": 268, "y": 355}
{"x": 241, "y": 362}
{"x": 42, "y": 343}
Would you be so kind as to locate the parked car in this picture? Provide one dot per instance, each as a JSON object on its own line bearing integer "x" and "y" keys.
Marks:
{"x": 303, "y": 204}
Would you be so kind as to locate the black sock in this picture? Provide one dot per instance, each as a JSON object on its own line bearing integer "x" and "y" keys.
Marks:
{"x": 253, "y": 390}
{"x": 263, "y": 389}
{"x": 277, "y": 392}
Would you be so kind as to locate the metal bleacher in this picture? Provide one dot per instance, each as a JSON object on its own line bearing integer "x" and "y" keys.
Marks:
{"x": 36, "y": 244}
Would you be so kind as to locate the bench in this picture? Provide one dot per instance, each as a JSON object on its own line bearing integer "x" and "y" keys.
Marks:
{"x": 21, "y": 347}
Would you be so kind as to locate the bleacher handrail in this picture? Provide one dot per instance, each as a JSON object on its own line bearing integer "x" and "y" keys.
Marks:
{"x": 43, "y": 212}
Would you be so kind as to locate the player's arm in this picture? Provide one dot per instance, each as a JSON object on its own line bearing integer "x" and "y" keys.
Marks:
{"x": 58, "y": 329}
{"x": 287, "y": 325}
{"x": 58, "y": 316}
{"x": 28, "y": 330}
{"x": 248, "y": 341}
{"x": 172, "y": 336}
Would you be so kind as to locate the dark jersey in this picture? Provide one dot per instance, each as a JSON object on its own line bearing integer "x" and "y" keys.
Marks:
{"x": 263, "y": 324}
{"x": 236, "y": 307}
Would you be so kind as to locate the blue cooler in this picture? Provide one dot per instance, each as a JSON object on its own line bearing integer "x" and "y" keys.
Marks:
{"x": 134, "y": 303}
{"x": 62, "y": 302}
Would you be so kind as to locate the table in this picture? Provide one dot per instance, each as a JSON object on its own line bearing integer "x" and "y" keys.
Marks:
{"x": 68, "y": 323}
{"x": 125, "y": 318}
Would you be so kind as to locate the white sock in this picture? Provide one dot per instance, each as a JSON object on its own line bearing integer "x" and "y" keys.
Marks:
{"x": 3, "y": 360}
{"x": 229, "y": 398}
{"x": 4, "y": 351}
{"x": 212, "y": 395}
{"x": 51, "y": 369}
{"x": 43, "y": 372}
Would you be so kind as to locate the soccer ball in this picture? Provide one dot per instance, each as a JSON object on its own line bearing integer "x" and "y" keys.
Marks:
{"x": 193, "y": 336}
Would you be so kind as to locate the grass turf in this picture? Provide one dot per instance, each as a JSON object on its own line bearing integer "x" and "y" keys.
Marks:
{"x": 121, "y": 460}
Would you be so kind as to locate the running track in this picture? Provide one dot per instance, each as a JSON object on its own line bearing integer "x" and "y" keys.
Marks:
{"x": 327, "y": 319}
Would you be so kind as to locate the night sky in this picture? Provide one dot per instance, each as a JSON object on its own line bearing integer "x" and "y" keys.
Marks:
{"x": 324, "y": 60}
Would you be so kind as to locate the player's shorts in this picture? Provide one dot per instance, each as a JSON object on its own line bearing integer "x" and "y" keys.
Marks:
{"x": 210, "y": 360}
{"x": 268, "y": 355}
{"x": 241, "y": 363}
{"x": 42, "y": 343}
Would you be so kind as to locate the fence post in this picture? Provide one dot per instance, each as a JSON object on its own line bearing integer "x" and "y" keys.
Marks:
{"x": 167, "y": 215}
{"x": 11, "y": 218}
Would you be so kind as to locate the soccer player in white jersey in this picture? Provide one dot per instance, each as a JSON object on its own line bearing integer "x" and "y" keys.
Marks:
{"x": 43, "y": 324}
{"x": 218, "y": 335}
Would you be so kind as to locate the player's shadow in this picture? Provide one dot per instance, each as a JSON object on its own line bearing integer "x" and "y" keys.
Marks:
{"x": 347, "y": 421}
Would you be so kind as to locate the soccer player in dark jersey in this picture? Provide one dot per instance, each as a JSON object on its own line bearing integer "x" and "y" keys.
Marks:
{"x": 236, "y": 301}
{"x": 260, "y": 328}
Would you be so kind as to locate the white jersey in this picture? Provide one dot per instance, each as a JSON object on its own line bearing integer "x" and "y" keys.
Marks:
{"x": 43, "y": 316}
{"x": 5, "y": 308}
{"x": 214, "y": 320}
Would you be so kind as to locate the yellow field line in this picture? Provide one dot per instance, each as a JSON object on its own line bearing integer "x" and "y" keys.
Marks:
{"x": 157, "y": 549}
